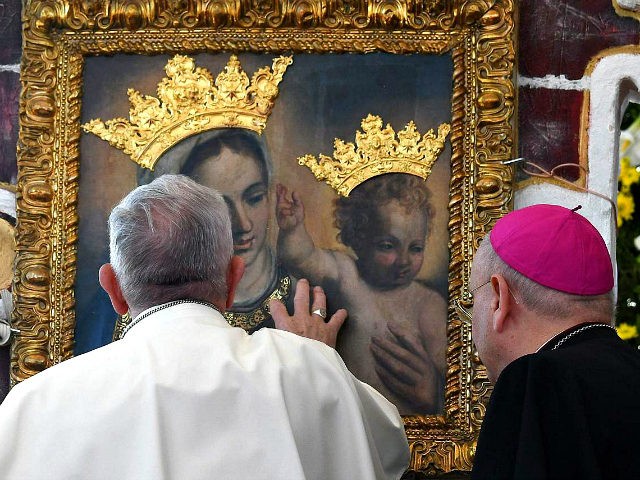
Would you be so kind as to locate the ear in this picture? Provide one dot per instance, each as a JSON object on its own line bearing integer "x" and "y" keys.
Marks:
{"x": 234, "y": 274}
{"x": 501, "y": 302}
{"x": 109, "y": 282}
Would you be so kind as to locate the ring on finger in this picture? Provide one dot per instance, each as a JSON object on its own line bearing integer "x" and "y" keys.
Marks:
{"x": 321, "y": 312}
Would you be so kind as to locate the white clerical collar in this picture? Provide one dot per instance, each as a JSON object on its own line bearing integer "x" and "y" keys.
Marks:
{"x": 150, "y": 311}
{"x": 546, "y": 343}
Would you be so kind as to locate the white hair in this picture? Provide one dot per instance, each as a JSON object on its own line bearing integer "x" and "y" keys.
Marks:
{"x": 170, "y": 240}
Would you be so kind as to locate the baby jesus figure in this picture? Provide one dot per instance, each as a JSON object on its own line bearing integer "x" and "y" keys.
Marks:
{"x": 395, "y": 336}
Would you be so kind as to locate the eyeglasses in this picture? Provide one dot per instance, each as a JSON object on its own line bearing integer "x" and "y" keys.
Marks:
{"x": 465, "y": 314}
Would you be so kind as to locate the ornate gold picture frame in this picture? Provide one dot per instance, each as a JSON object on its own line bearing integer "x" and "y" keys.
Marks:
{"x": 71, "y": 46}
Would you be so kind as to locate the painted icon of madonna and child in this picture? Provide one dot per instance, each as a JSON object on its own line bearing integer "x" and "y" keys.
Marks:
{"x": 395, "y": 336}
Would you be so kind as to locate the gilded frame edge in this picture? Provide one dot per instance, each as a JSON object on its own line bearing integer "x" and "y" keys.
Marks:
{"x": 58, "y": 34}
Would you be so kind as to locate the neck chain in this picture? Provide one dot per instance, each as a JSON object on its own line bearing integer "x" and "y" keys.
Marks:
{"x": 155, "y": 309}
{"x": 582, "y": 329}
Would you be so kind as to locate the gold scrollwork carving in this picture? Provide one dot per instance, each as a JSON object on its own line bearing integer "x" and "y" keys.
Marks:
{"x": 362, "y": 14}
{"x": 58, "y": 34}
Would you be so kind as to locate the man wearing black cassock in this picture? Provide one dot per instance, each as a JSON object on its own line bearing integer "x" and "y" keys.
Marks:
{"x": 566, "y": 402}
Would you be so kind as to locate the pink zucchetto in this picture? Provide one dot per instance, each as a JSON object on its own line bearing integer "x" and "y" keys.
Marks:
{"x": 555, "y": 247}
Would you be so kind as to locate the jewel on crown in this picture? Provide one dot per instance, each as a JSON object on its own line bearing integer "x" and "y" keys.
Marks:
{"x": 376, "y": 152}
{"x": 190, "y": 101}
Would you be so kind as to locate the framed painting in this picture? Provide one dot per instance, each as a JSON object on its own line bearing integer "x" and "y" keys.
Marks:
{"x": 330, "y": 85}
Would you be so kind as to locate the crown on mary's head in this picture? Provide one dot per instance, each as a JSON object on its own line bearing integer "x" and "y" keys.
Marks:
{"x": 190, "y": 101}
{"x": 376, "y": 152}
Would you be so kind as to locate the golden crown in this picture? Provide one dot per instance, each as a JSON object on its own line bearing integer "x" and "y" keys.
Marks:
{"x": 189, "y": 102}
{"x": 376, "y": 152}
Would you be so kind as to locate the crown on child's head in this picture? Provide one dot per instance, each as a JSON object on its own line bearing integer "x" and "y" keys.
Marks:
{"x": 376, "y": 152}
{"x": 190, "y": 101}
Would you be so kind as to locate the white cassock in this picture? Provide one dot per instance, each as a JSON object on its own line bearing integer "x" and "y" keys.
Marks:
{"x": 185, "y": 396}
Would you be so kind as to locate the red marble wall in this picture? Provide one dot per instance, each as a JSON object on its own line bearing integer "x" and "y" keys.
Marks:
{"x": 9, "y": 87}
{"x": 10, "y": 43}
{"x": 556, "y": 37}
{"x": 560, "y": 37}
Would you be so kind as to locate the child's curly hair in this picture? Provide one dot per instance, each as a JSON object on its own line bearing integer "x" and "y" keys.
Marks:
{"x": 357, "y": 216}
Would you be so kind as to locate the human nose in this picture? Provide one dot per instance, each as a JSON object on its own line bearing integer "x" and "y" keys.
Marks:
{"x": 403, "y": 258}
{"x": 241, "y": 223}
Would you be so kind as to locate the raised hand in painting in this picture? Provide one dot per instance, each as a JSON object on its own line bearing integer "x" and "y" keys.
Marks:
{"x": 308, "y": 321}
{"x": 406, "y": 368}
{"x": 289, "y": 208}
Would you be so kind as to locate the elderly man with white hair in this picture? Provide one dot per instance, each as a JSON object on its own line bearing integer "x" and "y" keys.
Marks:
{"x": 183, "y": 395}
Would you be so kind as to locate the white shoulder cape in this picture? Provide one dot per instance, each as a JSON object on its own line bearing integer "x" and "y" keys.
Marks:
{"x": 185, "y": 396}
